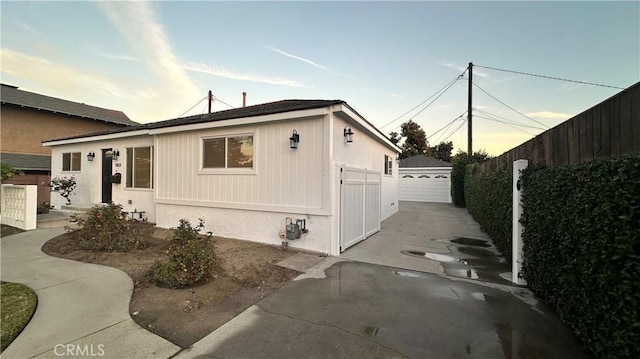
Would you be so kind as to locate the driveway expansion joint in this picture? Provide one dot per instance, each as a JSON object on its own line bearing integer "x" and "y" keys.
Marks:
{"x": 323, "y": 324}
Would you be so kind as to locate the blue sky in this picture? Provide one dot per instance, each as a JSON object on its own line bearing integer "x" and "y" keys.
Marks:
{"x": 156, "y": 60}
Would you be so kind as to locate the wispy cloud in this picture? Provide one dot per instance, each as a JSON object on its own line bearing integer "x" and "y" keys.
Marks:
{"x": 221, "y": 72}
{"x": 56, "y": 75}
{"x": 117, "y": 57}
{"x": 299, "y": 58}
{"x": 549, "y": 115}
{"x": 137, "y": 23}
{"x": 476, "y": 72}
{"x": 397, "y": 95}
{"x": 567, "y": 87}
{"x": 30, "y": 29}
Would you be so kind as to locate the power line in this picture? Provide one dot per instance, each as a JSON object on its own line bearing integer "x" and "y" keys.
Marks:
{"x": 504, "y": 123}
{"x": 219, "y": 100}
{"x": 513, "y": 109}
{"x": 456, "y": 130}
{"x": 507, "y": 120}
{"x": 441, "y": 92}
{"x": 192, "y": 107}
{"x": 549, "y": 77}
{"x": 447, "y": 125}
{"x": 203, "y": 108}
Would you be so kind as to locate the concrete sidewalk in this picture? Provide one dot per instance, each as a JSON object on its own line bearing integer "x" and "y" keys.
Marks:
{"x": 84, "y": 307}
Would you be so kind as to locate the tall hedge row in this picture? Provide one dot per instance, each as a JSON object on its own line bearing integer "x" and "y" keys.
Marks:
{"x": 457, "y": 182}
{"x": 489, "y": 201}
{"x": 582, "y": 249}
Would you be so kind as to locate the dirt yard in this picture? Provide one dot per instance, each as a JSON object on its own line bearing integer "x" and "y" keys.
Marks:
{"x": 247, "y": 272}
{"x": 8, "y": 230}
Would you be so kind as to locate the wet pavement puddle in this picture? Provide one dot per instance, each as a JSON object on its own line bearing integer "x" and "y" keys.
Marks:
{"x": 469, "y": 258}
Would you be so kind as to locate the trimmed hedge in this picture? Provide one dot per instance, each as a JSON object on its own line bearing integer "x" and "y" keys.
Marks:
{"x": 582, "y": 249}
{"x": 489, "y": 201}
{"x": 457, "y": 182}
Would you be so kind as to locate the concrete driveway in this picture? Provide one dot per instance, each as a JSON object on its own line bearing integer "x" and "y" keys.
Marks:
{"x": 376, "y": 302}
{"x": 418, "y": 226}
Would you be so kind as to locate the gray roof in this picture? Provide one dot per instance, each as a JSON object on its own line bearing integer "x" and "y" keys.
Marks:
{"x": 241, "y": 112}
{"x": 27, "y": 162}
{"x": 419, "y": 161}
{"x": 13, "y": 96}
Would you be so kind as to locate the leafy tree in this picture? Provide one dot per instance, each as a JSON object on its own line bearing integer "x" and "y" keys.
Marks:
{"x": 441, "y": 151}
{"x": 415, "y": 139}
{"x": 8, "y": 172}
{"x": 395, "y": 137}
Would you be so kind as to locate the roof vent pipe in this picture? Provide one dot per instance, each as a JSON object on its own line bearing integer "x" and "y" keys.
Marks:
{"x": 244, "y": 99}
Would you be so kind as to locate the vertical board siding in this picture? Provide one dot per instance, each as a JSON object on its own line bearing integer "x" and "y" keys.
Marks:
{"x": 608, "y": 130}
{"x": 284, "y": 176}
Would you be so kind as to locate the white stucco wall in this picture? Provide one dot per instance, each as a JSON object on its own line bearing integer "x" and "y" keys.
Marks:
{"x": 256, "y": 226}
{"x": 284, "y": 179}
{"x": 366, "y": 152}
{"x": 89, "y": 189}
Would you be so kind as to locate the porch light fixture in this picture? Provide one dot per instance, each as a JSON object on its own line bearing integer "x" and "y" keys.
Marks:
{"x": 348, "y": 134}
{"x": 115, "y": 154}
{"x": 90, "y": 156}
{"x": 294, "y": 139}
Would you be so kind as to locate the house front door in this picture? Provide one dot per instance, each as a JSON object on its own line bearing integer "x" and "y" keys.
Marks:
{"x": 107, "y": 162}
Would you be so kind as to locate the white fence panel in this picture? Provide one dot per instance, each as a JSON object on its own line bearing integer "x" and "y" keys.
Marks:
{"x": 19, "y": 206}
{"x": 359, "y": 205}
{"x": 372, "y": 203}
{"x": 517, "y": 228}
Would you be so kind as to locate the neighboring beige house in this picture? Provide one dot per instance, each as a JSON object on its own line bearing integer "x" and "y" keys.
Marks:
{"x": 28, "y": 119}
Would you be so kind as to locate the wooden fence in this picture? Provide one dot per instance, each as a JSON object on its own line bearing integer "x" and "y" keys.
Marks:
{"x": 608, "y": 129}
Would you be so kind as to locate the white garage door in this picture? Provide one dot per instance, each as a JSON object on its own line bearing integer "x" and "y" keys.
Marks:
{"x": 359, "y": 205}
{"x": 425, "y": 185}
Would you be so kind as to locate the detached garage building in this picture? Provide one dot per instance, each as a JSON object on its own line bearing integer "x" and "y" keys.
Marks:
{"x": 425, "y": 179}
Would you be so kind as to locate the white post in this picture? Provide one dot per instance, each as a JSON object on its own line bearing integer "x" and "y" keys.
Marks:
{"x": 31, "y": 207}
{"x": 516, "y": 254}
{"x": 19, "y": 206}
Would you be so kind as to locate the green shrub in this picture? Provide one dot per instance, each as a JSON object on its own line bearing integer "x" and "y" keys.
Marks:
{"x": 191, "y": 257}
{"x": 489, "y": 200}
{"x": 105, "y": 228}
{"x": 582, "y": 249}
{"x": 460, "y": 162}
{"x": 64, "y": 186}
{"x": 44, "y": 207}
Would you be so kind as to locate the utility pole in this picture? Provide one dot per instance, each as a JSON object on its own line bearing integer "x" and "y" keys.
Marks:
{"x": 210, "y": 100}
{"x": 469, "y": 111}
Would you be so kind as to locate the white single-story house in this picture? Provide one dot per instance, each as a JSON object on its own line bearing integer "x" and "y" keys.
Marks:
{"x": 245, "y": 171}
{"x": 425, "y": 179}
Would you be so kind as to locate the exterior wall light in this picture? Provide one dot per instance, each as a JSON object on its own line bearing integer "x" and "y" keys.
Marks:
{"x": 90, "y": 156}
{"x": 348, "y": 134}
{"x": 115, "y": 154}
{"x": 294, "y": 139}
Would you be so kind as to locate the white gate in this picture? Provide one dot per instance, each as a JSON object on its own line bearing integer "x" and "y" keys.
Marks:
{"x": 359, "y": 205}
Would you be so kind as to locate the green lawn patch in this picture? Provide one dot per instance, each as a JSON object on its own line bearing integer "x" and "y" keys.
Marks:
{"x": 17, "y": 304}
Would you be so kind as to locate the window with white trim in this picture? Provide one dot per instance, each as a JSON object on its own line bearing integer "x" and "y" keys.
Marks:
{"x": 71, "y": 161}
{"x": 388, "y": 165}
{"x": 227, "y": 152}
{"x": 139, "y": 167}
